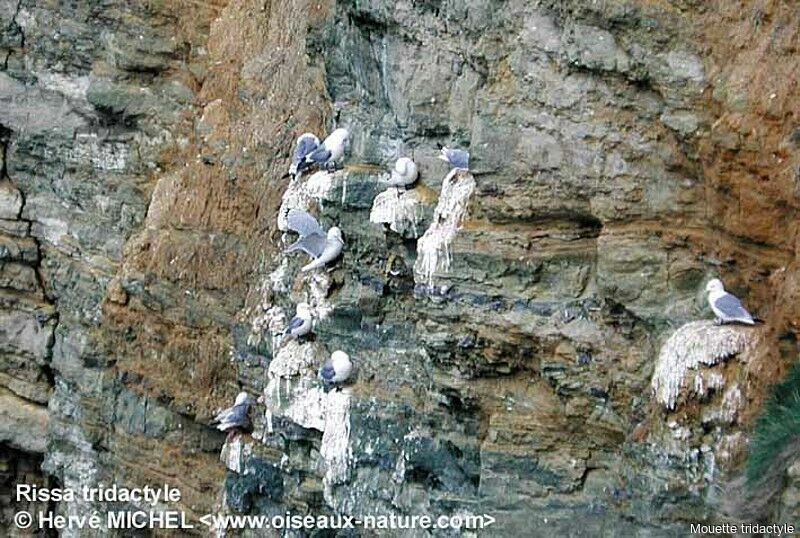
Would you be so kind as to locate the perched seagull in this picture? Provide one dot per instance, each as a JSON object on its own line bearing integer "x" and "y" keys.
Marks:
{"x": 235, "y": 418}
{"x": 457, "y": 158}
{"x": 726, "y": 307}
{"x": 329, "y": 153}
{"x": 404, "y": 173}
{"x": 323, "y": 247}
{"x": 337, "y": 369}
{"x": 305, "y": 145}
{"x": 300, "y": 324}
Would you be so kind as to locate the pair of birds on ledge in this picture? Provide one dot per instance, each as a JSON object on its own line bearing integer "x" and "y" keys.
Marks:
{"x": 335, "y": 371}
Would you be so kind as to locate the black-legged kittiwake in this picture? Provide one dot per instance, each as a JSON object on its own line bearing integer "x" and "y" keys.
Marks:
{"x": 300, "y": 324}
{"x": 329, "y": 152}
{"x": 337, "y": 369}
{"x": 726, "y": 307}
{"x": 323, "y": 247}
{"x": 404, "y": 173}
{"x": 235, "y": 417}
{"x": 305, "y": 145}
{"x": 458, "y": 158}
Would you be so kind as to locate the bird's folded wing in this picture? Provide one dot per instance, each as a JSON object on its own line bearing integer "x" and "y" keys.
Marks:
{"x": 303, "y": 223}
{"x": 457, "y": 157}
{"x": 319, "y": 155}
{"x": 731, "y": 306}
{"x": 313, "y": 245}
{"x": 296, "y": 322}
{"x": 235, "y": 416}
{"x": 304, "y": 147}
{"x": 327, "y": 372}
{"x": 224, "y": 415}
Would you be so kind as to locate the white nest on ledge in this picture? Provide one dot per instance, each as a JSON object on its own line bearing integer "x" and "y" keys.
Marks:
{"x": 694, "y": 344}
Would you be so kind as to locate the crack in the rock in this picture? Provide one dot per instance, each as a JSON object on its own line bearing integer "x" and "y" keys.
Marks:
{"x": 5, "y": 142}
{"x": 14, "y": 23}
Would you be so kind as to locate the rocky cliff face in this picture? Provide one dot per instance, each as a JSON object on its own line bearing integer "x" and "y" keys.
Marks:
{"x": 623, "y": 153}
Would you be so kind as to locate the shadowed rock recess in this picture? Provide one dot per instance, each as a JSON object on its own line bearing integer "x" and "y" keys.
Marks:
{"x": 515, "y": 338}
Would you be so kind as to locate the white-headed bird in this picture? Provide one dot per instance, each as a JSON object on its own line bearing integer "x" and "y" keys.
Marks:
{"x": 726, "y": 307}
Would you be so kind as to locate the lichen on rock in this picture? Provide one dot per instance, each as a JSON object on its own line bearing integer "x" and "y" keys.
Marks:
{"x": 692, "y": 345}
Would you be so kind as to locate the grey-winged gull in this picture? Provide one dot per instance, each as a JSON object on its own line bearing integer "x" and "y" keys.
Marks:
{"x": 329, "y": 152}
{"x": 235, "y": 418}
{"x": 300, "y": 324}
{"x": 305, "y": 145}
{"x": 457, "y": 158}
{"x": 337, "y": 369}
{"x": 404, "y": 173}
{"x": 726, "y": 307}
{"x": 314, "y": 241}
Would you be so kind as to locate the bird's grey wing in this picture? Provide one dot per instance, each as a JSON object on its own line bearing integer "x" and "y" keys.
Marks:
{"x": 303, "y": 223}
{"x": 313, "y": 245}
{"x": 731, "y": 307}
{"x": 304, "y": 147}
{"x": 223, "y": 415}
{"x": 458, "y": 158}
{"x": 296, "y": 322}
{"x": 327, "y": 372}
{"x": 319, "y": 155}
{"x": 235, "y": 418}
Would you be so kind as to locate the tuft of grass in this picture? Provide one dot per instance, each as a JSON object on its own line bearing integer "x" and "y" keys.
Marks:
{"x": 777, "y": 428}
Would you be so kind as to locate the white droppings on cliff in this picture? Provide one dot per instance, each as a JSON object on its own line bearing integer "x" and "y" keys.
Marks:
{"x": 291, "y": 360}
{"x": 319, "y": 186}
{"x": 271, "y": 321}
{"x": 400, "y": 209}
{"x": 729, "y": 446}
{"x": 234, "y": 453}
{"x": 399, "y": 474}
{"x": 277, "y": 278}
{"x": 306, "y": 406}
{"x": 301, "y": 194}
{"x": 295, "y": 196}
{"x": 302, "y": 400}
{"x": 305, "y": 403}
{"x": 268, "y": 420}
{"x": 108, "y": 156}
{"x": 706, "y": 382}
{"x": 696, "y": 343}
{"x": 433, "y": 248}
{"x": 72, "y": 87}
{"x": 709, "y": 463}
{"x": 732, "y": 401}
{"x": 54, "y": 231}
{"x": 335, "y": 447}
{"x": 319, "y": 285}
